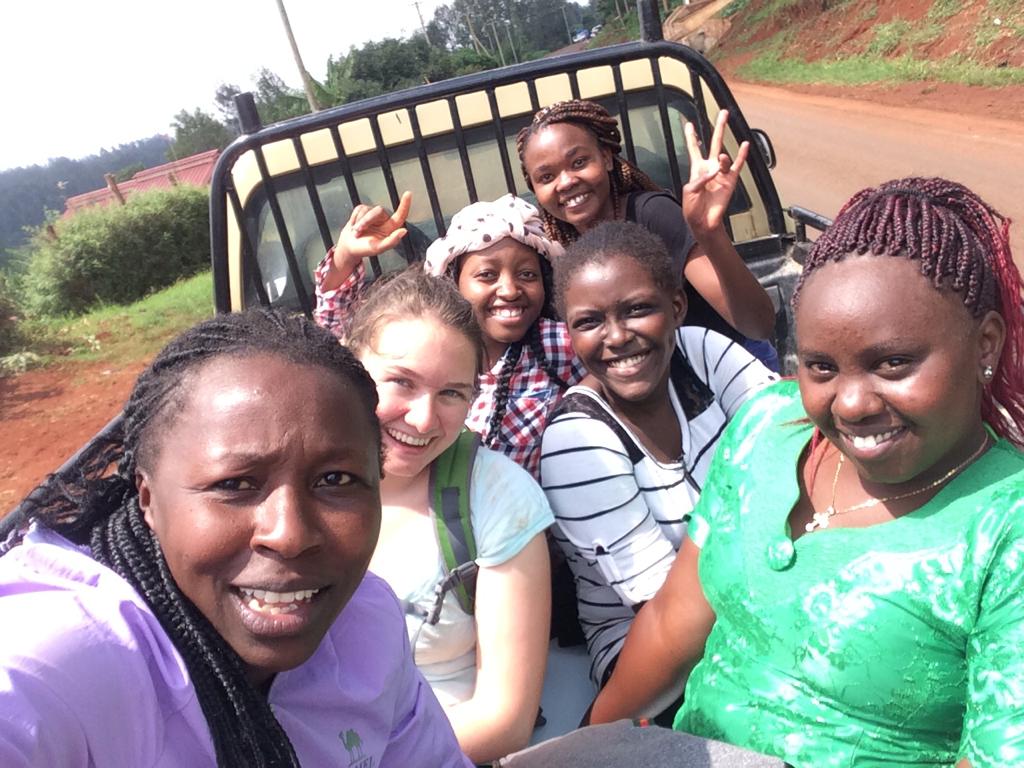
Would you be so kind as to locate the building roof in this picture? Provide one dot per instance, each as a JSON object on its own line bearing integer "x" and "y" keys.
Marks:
{"x": 196, "y": 170}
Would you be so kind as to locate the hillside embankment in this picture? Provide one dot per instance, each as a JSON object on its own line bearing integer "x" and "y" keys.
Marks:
{"x": 963, "y": 56}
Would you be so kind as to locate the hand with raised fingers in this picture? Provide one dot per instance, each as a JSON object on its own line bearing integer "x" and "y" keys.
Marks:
{"x": 370, "y": 231}
{"x": 712, "y": 179}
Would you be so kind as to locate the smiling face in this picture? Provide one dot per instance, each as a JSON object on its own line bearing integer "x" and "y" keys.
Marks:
{"x": 264, "y": 493}
{"x": 568, "y": 171}
{"x": 426, "y": 375}
{"x": 623, "y": 327}
{"x": 890, "y": 368}
{"x": 504, "y": 285}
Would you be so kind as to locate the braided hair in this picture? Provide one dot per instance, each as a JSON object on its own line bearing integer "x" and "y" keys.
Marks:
{"x": 591, "y": 116}
{"x": 102, "y": 510}
{"x": 514, "y": 352}
{"x": 962, "y": 244}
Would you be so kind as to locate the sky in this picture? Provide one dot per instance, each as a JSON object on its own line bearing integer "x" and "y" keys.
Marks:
{"x": 81, "y": 75}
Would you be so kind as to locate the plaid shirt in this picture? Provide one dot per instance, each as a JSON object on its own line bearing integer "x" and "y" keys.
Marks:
{"x": 532, "y": 394}
{"x": 333, "y": 307}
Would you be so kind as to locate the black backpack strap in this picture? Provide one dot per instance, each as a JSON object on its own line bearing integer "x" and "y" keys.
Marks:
{"x": 577, "y": 402}
{"x": 449, "y": 506}
{"x": 695, "y": 396}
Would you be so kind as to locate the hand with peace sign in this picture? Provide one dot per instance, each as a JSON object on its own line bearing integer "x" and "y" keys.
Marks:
{"x": 713, "y": 267}
{"x": 712, "y": 179}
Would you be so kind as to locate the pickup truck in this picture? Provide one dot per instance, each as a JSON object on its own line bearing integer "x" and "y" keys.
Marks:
{"x": 280, "y": 193}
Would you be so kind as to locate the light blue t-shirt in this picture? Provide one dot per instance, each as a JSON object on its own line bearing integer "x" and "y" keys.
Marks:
{"x": 507, "y": 509}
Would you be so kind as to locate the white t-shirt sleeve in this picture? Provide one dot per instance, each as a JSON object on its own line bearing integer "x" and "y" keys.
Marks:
{"x": 507, "y": 508}
{"x": 732, "y": 373}
{"x": 590, "y": 482}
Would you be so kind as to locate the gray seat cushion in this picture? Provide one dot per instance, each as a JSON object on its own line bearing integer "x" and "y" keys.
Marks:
{"x": 624, "y": 744}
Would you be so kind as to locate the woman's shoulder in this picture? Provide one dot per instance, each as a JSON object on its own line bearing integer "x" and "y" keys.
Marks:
{"x": 499, "y": 482}
{"x": 999, "y": 476}
{"x": 373, "y": 613}
{"x": 707, "y": 348}
{"x": 69, "y": 605}
{"x": 507, "y": 507}
{"x": 651, "y": 201}
{"x": 582, "y": 416}
{"x": 57, "y": 584}
{"x": 86, "y": 642}
{"x": 773, "y": 408}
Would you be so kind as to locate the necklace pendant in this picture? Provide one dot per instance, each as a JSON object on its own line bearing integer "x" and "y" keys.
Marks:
{"x": 820, "y": 519}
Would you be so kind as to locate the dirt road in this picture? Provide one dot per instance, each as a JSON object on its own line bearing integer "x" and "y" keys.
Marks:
{"x": 828, "y": 148}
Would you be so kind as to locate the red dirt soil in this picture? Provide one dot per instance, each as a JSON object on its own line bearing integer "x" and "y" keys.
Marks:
{"x": 47, "y": 415}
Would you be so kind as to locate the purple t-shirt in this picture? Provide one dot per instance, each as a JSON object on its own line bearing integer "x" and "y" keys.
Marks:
{"x": 89, "y": 678}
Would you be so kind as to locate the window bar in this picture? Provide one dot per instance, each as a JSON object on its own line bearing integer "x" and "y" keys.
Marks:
{"x": 389, "y": 182}
{"x": 350, "y": 183}
{"x": 703, "y": 126}
{"x": 250, "y": 264}
{"x": 346, "y": 168}
{"x": 428, "y": 176}
{"x": 531, "y": 88}
{"x": 574, "y": 84}
{"x": 460, "y": 142}
{"x": 620, "y": 97}
{"x": 314, "y": 194}
{"x": 282, "y": 232}
{"x": 499, "y": 135}
{"x": 666, "y": 126}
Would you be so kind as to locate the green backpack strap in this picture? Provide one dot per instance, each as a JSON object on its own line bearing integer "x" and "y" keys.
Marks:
{"x": 449, "y": 496}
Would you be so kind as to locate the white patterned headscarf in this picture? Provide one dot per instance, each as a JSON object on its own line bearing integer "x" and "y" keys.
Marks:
{"x": 481, "y": 225}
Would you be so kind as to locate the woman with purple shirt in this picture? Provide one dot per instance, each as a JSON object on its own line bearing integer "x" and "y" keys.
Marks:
{"x": 207, "y": 602}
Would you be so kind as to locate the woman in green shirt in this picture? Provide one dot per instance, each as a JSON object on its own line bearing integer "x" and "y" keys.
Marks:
{"x": 850, "y": 593}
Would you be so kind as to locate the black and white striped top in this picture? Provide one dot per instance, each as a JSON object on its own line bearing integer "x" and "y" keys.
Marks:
{"x": 620, "y": 514}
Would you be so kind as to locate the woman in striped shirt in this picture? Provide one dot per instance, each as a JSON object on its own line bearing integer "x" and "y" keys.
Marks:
{"x": 625, "y": 453}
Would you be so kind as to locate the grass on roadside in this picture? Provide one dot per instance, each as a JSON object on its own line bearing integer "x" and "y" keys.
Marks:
{"x": 118, "y": 333}
{"x": 859, "y": 70}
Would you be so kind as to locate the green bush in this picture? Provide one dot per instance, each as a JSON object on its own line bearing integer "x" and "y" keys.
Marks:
{"x": 118, "y": 254}
{"x": 10, "y": 337}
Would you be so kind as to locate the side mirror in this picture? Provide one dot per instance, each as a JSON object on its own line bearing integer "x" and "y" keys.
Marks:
{"x": 764, "y": 146}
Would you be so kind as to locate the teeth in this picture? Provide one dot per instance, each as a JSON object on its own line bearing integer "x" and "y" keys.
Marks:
{"x": 510, "y": 313}
{"x": 401, "y": 437}
{"x": 872, "y": 441}
{"x": 572, "y": 202}
{"x": 275, "y": 603}
{"x": 626, "y": 362}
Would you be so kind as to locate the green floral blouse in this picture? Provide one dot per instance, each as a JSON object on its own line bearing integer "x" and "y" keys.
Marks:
{"x": 901, "y": 643}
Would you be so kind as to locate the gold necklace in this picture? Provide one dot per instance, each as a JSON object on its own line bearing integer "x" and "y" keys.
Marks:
{"x": 820, "y": 520}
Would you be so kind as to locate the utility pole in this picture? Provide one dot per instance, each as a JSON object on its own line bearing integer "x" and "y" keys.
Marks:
{"x": 497, "y": 41}
{"x": 307, "y": 81}
{"x": 568, "y": 32}
{"x": 508, "y": 30}
{"x": 422, "y": 25}
{"x": 478, "y": 46}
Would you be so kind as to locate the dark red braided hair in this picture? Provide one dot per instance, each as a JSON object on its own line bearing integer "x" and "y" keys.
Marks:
{"x": 591, "y": 116}
{"x": 962, "y": 244}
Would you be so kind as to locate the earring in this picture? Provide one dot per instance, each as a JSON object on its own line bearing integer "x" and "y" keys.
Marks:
{"x": 987, "y": 373}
